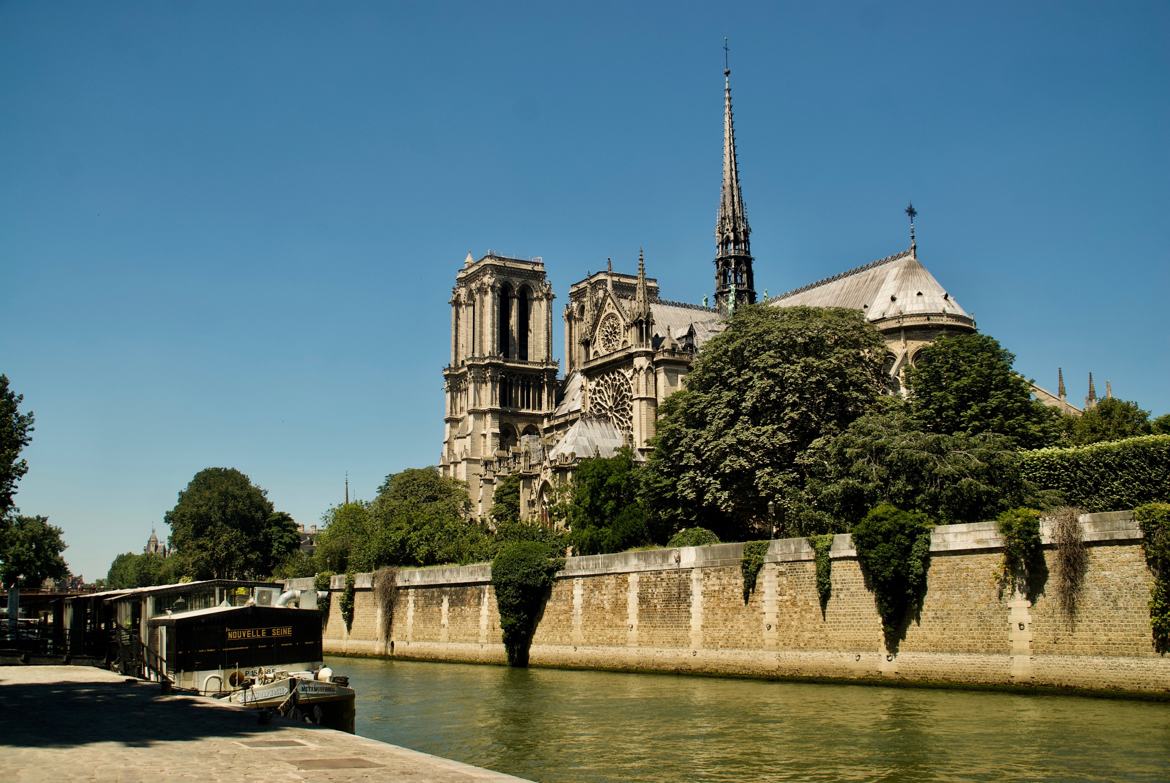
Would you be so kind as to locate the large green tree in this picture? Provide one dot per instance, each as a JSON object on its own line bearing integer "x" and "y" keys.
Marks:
{"x": 965, "y": 384}
{"x": 143, "y": 569}
{"x": 346, "y": 538}
{"x": 1109, "y": 419}
{"x": 423, "y": 518}
{"x": 882, "y": 457}
{"x": 605, "y": 512}
{"x": 15, "y": 434}
{"x": 224, "y": 527}
{"x": 758, "y": 394}
{"x": 506, "y": 500}
{"x": 30, "y": 552}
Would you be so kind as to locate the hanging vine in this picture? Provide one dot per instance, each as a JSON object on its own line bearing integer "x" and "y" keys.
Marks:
{"x": 822, "y": 545}
{"x": 751, "y": 564}
{"x": 345, "y": 603}
{"x": 1154, "y": 520}
{"x": 385, "y": 593}
{"x": 1072, "y": 560}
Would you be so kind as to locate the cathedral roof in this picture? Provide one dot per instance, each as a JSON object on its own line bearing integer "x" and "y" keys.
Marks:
{"x": 891, "y": 287}
{"x": 589, "y": 436}
{"x": 573, "y": 396}
{"x": 674, "y": 319}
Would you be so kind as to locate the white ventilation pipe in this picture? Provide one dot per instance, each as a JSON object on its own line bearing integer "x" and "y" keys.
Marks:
{"x": 289, "y": 596}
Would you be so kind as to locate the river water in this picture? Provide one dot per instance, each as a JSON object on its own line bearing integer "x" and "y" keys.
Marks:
{"x": 551, "y": 725}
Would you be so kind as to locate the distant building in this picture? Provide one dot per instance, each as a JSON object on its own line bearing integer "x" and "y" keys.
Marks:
{"x": 308, "y": 536}
{"x": 155, "y": 547}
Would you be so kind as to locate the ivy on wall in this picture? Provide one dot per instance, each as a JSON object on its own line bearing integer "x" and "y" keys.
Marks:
{"x": 385, "y": 593}
{"x": 893, "y": 549}
{"x": 750, "y": 565}
{"x": 522, "y": 575}
{"x": 1022, "y": 569}
{"x": 1072, "y": 559}
{"x": 345, "y": 603}
{"x": 822, "y": 545}
{"x": 1154, "y": 520}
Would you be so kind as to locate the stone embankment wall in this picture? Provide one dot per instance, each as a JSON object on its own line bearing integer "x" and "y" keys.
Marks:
{"x": 682, "y": 610}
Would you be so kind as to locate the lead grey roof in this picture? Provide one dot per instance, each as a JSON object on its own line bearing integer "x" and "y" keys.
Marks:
{"x": 673, "y": 319}
{"x": 898, "y": 285}
{"x": 571, "y": 401}
{"x": 590, "y": 436}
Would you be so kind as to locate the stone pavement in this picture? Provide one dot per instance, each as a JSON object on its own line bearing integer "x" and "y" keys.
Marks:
{"x": 76, "y": 723}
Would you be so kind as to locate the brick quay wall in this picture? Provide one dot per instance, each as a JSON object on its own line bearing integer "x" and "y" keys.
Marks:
{"x": 682, "y": 610}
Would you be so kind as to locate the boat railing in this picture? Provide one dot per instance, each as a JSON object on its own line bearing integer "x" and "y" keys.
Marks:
{"x": 140, "y": 659}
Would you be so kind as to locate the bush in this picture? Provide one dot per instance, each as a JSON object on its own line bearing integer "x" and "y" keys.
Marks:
{"x": 751, "y": 564}
{"x": 1154, "y": 520}
{"x": 522, "y": 575}
{"x": 1110, "y": 476}
{"x": 893, "y": 549}
{"x": 321, "y": 581}
{"x": 822, "y": 545}
{"x": 1023, "y": 566}
{"x": 693, "y": 536}
{"x": 345, "y": 603}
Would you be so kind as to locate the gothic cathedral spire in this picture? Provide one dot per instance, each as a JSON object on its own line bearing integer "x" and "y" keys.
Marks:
{"x": 733, "y": 255}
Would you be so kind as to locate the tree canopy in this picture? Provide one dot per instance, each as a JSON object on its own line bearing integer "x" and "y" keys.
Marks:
{"x": 30, "y": 552}
{"x": 1109, "y": 419}
{"x": 965, "y": 384}
{"x": 418, "y": 518}
{"x": 605, "y": 512}
{"x": 881, "y": 457}
{"x": 15, "y": 434}
{"x": 758, "y": 394}
{"x": 143, "y": 569}
{"x": 224, "y": 527}
{"x": 506, "y": 500}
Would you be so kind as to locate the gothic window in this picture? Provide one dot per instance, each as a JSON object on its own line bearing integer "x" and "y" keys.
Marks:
{"x": 504, "y": 325}
{"x": 523, "y": 310}
{"x": 609, "y": 335}
{"x": 611, "y": 396}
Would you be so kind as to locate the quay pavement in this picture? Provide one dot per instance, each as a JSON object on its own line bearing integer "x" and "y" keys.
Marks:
{"x": 77, "y": 723}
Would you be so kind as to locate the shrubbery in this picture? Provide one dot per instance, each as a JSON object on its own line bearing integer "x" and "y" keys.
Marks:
{"x": 893, "y": 549}
{"x": 822, "y": 546}
{"x": 1154, "y": 520}
{"x": 1110, "y": 476}
{"x": 693, "y": 536}
{"x": 750, "y": 565}
{"x": 522, "y": 575}
{"x": 1023, "y": 554}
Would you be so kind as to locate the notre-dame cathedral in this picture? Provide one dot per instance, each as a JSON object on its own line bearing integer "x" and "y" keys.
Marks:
{"x": 627, "y": 349}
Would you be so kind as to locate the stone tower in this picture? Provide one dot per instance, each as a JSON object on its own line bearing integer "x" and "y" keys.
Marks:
{"x": 502, "y": 379}
{"x": 734, "y": 282}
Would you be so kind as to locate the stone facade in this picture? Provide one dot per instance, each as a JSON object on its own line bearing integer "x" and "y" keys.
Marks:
{"x": 682, "y": 610}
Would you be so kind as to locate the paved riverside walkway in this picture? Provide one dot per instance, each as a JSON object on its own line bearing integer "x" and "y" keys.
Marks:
{"x": 74, "y": 723}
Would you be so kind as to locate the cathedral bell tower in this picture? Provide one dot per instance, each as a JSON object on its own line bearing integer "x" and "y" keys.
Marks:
{"x": 734, "y": 282}
{"x": 502, "y": 379}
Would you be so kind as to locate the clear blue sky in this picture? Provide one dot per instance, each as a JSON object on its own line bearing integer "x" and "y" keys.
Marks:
{"x": 228, "y": 231}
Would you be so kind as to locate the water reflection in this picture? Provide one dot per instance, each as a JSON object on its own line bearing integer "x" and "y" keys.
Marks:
{"x": 555, "y": 726}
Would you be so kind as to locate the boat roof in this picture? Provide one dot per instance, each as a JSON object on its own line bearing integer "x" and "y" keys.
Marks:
{"x": 170, "y": 617}
{"x": 179, "y": 587}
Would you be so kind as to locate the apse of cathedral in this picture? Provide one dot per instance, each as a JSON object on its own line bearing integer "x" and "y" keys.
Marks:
{"x": 627, "y": 349}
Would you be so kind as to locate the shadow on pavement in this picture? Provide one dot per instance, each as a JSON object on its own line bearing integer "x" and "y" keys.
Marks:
{"x": 134, "y": 713}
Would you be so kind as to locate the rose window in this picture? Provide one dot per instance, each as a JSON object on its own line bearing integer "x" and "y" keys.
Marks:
{"x": 611, "y": 396}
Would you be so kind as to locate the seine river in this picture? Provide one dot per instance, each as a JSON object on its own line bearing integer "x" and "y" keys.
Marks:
{"x": 549, "y": 725}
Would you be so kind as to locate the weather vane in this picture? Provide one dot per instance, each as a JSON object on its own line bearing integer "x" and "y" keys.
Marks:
{"x": 726, "y": 67}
